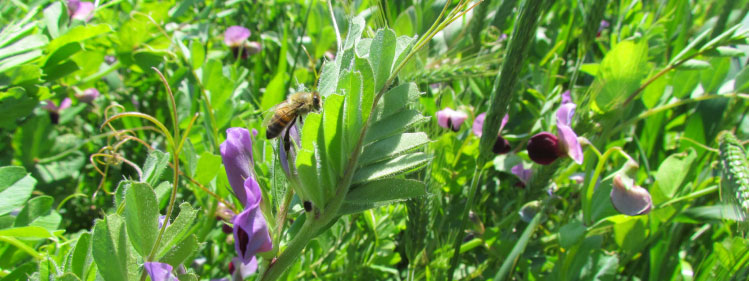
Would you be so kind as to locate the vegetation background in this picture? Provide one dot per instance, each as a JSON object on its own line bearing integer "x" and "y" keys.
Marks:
{"x": 113, "y": 114}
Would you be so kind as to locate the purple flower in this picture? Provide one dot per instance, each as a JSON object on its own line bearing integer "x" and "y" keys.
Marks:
{"x": 544, "y": 148}
{"x": 250, "y": 228}
{"x": 501, "y": 146}
{"x": 160, "y": 271}
{"x": 54, "y": 110}
{"x": 88, "y": 95}
{"x": 604, "y": 24}
{"x": 78, "y": 10}
{"x": 245, "y": 269}
{"x": 235, "y": 36}
{"x": 630, "y": 199}
{"x": 451, "y": 119}
{"x": 236, "y": 154}
{"x": 51, "y": 107}
{"x": 523, "y": 174}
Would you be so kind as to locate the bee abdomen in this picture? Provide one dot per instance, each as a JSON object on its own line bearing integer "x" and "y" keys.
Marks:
{"x": 276, "y": 126}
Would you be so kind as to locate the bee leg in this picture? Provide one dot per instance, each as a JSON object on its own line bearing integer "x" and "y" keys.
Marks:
{"x": 286, "y": 137}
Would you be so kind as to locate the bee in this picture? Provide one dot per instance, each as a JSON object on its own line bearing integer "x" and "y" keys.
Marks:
{"x": 286, "y": 112}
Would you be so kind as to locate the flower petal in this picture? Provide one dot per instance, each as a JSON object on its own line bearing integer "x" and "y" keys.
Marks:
{"x": 523, "y": 174}
{"x": 236, "y": 35}
{"x": 443, "y": 117}
{"x": 568, "y": 143}
{"x": 88, "y": 95}
{"x": 478, "y": 124}
{"x": 251, "y": 234}
{"x": 565, "y": 113}
{"x": 83, "y": 11}
{"x": 566, "y": 97}
{"x": 631, "y": 200}
{"x": 160, "y": 271}
{"x": 236, "y": 154}
{"x": 245, "y": 269}
{"x": 65, "y": 104}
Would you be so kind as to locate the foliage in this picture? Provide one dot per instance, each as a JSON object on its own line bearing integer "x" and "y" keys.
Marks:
{"x": 113, "y": 120}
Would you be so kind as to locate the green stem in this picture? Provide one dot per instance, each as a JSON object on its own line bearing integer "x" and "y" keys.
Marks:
{"x": 293, "y": 249}
{"x": 21, "y": 246}
{"x": 464, "y": 216}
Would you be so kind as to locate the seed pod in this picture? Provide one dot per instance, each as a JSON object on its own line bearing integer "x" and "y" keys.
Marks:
{"x": 734, "y": 186}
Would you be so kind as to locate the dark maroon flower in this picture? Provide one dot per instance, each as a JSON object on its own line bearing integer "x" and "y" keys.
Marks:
{"x": 544, "y": 148}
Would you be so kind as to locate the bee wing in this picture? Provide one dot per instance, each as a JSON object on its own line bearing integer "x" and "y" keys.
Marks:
{"x": 268, "y": 115}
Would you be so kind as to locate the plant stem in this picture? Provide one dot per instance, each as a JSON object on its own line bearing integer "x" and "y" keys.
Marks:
{"x": 293, "y": 249}
{"x": 464, "y": 216}
{"x": 501, "y": 97}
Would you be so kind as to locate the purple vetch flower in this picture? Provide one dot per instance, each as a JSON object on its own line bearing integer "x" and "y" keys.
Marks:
{"x": 544, "y": 148}
{"x": 250, "y": 228}
{"x": 501, "y": 146}
{"x": 162, "y": 219}
{"x": 451, "y": 119}
{"x": 235, "y": 36}
{"x": 253, "y": 47}
{"x": 160, "y": 271}
{"x": 578, "y": 178}
{"x": 54, "y": 110}
{"x": 78, "y": 10}
{"x": 523, "y": 174}
{"x": 628, "y": 198}
{"x": 604, "y": 24}
{"x": 236, "y": 154}
{"x": 245, "y": 269}
{"x": 88, "y": 95}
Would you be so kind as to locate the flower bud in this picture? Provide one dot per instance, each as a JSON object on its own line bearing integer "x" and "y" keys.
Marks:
{"x": 630, "y": 199}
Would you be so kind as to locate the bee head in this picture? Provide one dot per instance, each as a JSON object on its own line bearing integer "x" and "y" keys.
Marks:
{"x": 316, "y": 101}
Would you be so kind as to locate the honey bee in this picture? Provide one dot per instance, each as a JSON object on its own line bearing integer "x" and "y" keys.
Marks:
{"x": 286, "y": 112}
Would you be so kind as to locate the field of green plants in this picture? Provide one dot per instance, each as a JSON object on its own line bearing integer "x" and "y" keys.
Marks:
{"x": 374, "y": 140}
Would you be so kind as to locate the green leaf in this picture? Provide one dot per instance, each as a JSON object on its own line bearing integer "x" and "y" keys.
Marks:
{"x": 381, "y": 56}
{"x": 724, "y": 52}
{"x": 629, "y": 232}
{"x": 61, "y": 54}
{"x": 571, "y": 233}
{"x": 620, "y": 74}
{"x": 154, "y": 167}
{"x": 209, "y": 166}
{"x": 197, "y": 53}
{"x": 713, "y": 78}
{"x": 742, "y": 81}
{"x": 178, "y": 229}
{"x": 24, "y": 75}
{"x": 26, "y": 232}
{"x": 355, "y": 31}
{"x": 142, "y": 217}
{"x": 394, "y": 124}
{"x": 79, "y": 256}
{"x": 14, "y": 104}
{"x": 395, "y": 100}
{"x": 20, "y": 272}
{"x": 28, "y": 43}
{"x": 671, "y": 174}
{"x": 110, "y": 248}
{"x": 78, "y": 34}
{"x": 308, "y": 163}
{"x": 386, "y": 190}
{"x": 180, "y": 252}
{"x": 392, "y": 146}
{"x": 38, "y": 212}
{"x": 694, "y": 64}
{"x": 11, "y": 62}
{"x": 333, "y": 132}
{"x": 400, "y": 165}
{"x": 60, "y": 70}
{"x": 329, "y": 78}
{"x": 52, "y": 17}
{"x": 15, "y": 188}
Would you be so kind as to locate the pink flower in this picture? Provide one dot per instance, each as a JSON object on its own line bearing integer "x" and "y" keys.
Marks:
{"x": 523, "y": 174}
{"x": 78, "y": 10}
{"x": 235, "y": 36}
{"x": 544, "y": 147}
{"x": 54, "y": 110}
{"x": 628, "y": 198}
{"x": 501, "y": 146}
{"x": 88, "y": 95}
{"x": 451, "y": 119}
